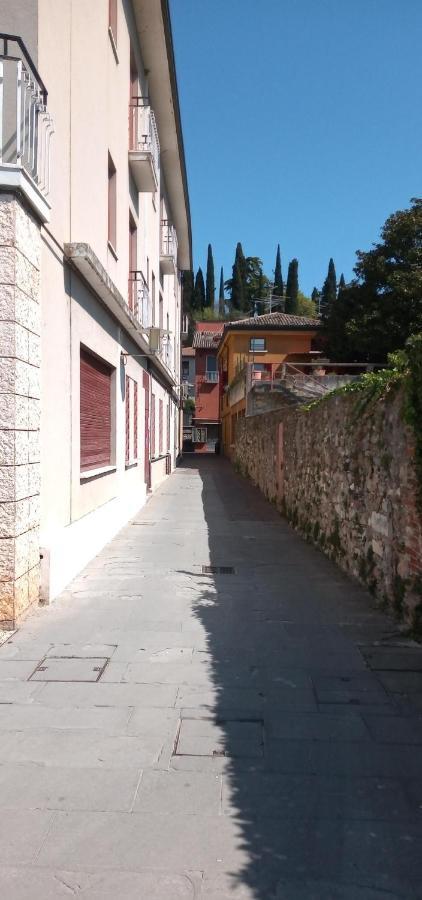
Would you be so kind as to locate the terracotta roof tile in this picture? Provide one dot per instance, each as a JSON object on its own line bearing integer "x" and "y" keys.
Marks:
{"x": 276, "y": 320}
{"x": 207, "y": 340}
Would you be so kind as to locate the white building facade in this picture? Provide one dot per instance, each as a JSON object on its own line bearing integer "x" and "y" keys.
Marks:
{"x": 94, "y": 232}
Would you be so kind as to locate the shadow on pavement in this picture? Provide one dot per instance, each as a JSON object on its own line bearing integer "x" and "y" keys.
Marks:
{"x": 321, "y": 808}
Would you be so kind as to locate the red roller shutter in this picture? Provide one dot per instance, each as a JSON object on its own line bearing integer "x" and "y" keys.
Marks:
{"x": 95, "y": 412}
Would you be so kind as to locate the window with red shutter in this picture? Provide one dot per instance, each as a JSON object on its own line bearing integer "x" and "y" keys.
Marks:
{"x": 131, "y": 421}
{"x": 95, "y": 412}
{"x": 160, "y": 427}
{"x": 152, "y": 425}
{"x": 127, "y": 417}
{"x": 135, "y": 420}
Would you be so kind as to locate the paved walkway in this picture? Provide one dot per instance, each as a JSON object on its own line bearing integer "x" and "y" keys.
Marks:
{"x": 170, "y": 734}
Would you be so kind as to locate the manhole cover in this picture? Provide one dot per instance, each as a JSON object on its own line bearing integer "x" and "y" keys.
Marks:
{"x": 225, "y": 737}
{"x": 218, "y": 570}
{"x": 70, "y": 668}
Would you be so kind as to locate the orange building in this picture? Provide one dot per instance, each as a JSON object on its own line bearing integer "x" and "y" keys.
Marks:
{"x": 206, "y": 419}
{"x": 265, "y": 342}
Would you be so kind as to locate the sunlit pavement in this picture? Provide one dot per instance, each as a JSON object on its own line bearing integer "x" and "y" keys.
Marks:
{"x": 171, "y": 733}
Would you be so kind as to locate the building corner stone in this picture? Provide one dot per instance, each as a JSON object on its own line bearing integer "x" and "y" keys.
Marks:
{"x": 20, "y": 329}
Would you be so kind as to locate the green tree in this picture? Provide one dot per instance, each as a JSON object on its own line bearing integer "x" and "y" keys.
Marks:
{"x": 278, "y": 278}
{"x": 315, "y": 297}
{"x": 199, "y": 291}
{"x": 221, "y": 300}
{"x": 329, "y": 289}
{"x": 236, "y": 285}
{"x": 305, "y": 306}
{"x": 257, "y": 284}
{"x": 187, "y": 289}
{"x": 210, "y": 281}
{"x": 341, "y": 284}
{"x": 292, "y": 287}
{"x": 382, "y": 307}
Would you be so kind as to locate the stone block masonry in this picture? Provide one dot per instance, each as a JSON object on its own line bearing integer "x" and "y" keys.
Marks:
{"x": 20, "y": 251}
{"x": 345, "y": 478}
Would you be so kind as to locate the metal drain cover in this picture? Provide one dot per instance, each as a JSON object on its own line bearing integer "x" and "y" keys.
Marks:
{"x": 69, "y": 668}
{"x": 218, "y": 570}
{"x": 223, "y": 738}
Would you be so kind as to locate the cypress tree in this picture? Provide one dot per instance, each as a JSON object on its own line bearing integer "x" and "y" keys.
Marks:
{"x": 292, "y": 287}
{"x": 329, "y": 289}
{"x": 278, "y": 278}
{"x": 341, "y": 284}
{"x": 210, "y": 282}
{"x": 239, "y": 297}
{"x": 221, "y": 301}
{"x": 199, "y": 292}
{"x": 188, "y": 289}
{"x": 315, "y": 299}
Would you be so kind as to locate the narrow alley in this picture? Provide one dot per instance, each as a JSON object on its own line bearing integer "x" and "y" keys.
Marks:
{"x": 210, "y": 710}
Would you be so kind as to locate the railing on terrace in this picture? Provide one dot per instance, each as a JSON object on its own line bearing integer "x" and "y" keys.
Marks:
{"x": 25, "y": 124}
{"x": 139, "y": 299}
{"x": 167, "y": 352}
{"x": 212, "y": 377}
{"x": 143, "y": 133}
{"x": 168, "y": 245}
{"x": 318, "y": 380}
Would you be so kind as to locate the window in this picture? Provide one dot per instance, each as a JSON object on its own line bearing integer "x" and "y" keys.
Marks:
{"x": 185, "y": 370}
{"x": 112, "y": 19}
{"x": 168, "y": 427}
{"x": 153, "y": 297}
{"x": 152, "y": 425}
{"x": 259, "y": 367}
{"x": 160, "y": 427}
{"x": 95, "y": 412}
{"x": 211, "y": 363}
{"x": 131, "y": 408}
{"x": 199, "y": 435}
{"x": 112, "y": 197}
{"x": 257, "y": 345}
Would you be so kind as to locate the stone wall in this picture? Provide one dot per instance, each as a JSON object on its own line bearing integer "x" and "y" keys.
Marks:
{"x": 345, "y": 478}
{"x": 20, "y": 250}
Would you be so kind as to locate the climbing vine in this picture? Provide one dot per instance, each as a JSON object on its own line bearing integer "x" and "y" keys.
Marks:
{"x": 404, "y": 369}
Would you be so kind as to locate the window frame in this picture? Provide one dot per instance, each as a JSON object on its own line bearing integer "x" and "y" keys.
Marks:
{"x": 253, "y": 349}
{"x": 101, "y": 466}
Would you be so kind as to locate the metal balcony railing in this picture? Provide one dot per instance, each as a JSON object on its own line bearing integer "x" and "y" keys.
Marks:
{"x": 143, "y": 134}
{"x": 139, "y": 299}
{"x": 212, "y": 377}
{"x": 168, "y": 245}
{"x": 167, "y": 353}
{"x": 25, "y": 124}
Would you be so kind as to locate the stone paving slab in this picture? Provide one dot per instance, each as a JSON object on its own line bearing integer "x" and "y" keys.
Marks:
{"x": 245, "y": 740}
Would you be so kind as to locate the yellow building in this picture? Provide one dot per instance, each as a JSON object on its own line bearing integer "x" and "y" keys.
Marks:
{"x": 266, "y": 342}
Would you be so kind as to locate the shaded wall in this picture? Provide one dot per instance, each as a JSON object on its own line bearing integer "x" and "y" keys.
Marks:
{"x": 345, "y": 478}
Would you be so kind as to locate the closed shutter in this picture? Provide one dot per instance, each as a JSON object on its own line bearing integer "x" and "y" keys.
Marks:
{"x": 95, "y": 408}
{"x": 160, "y": 427}
{"x": 153, "y": 425}
{"x": 135, "y": 420}
{"x": 127, "y": 417}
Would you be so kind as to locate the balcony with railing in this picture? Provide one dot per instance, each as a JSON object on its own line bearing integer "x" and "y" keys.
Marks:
{"x": 212, "y": 377}
{"x": 168, "y": 247}
{"x": 166, "y": 352}
{"x": 144, "y": 146}
{"x": 25, "y": 126}
{"x": 139, "y": 300}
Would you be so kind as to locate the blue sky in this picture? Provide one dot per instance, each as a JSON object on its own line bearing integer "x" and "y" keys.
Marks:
{"x": 302, "y": 125}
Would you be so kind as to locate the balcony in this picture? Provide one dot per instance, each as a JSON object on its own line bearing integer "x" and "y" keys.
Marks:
{"x": 166, "y": 353}
{"x": 139, "y": 300}
{"x": 168, "y": 248}
{"x": 144, "y": 146}
{"x": 25, "y": 126}
{"x": 211, "y": 377}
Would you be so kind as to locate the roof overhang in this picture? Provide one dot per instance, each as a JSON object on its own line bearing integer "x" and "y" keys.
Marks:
{"x": 156, "y": 42}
